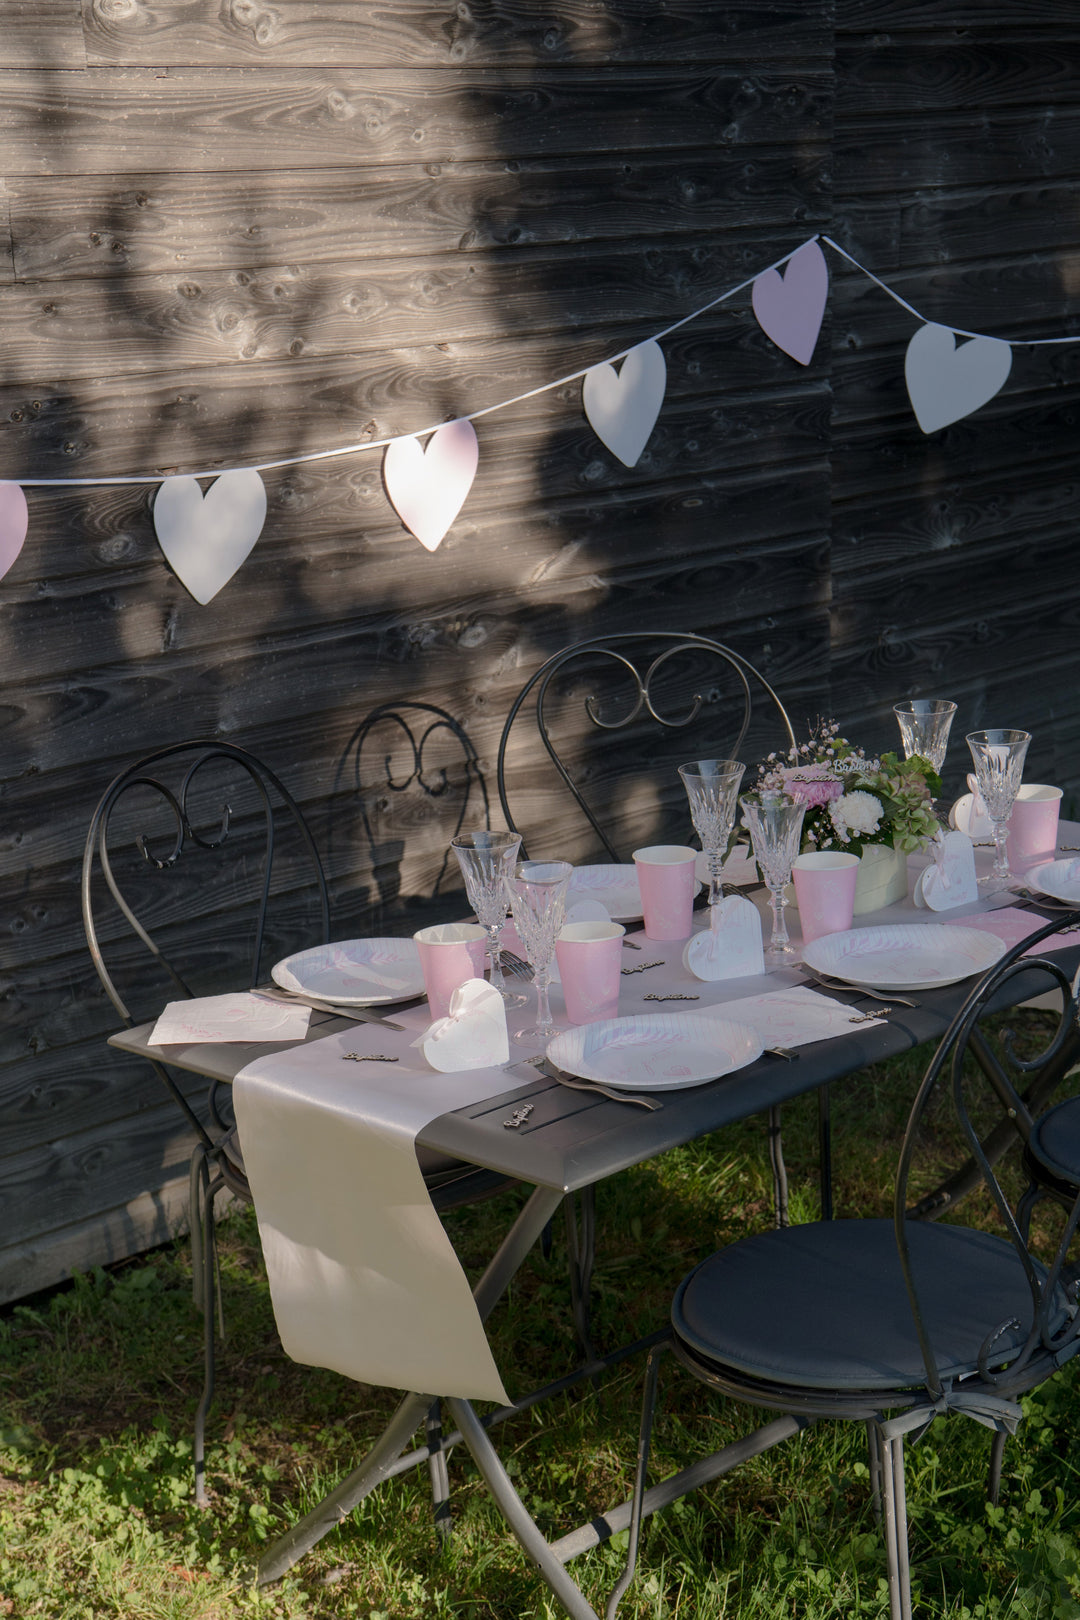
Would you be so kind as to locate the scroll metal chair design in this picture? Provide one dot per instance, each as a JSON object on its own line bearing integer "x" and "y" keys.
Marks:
{"x": 257, "y": 861}
{"x": 638, "y": 683}
{"x": 888, "y": 1322}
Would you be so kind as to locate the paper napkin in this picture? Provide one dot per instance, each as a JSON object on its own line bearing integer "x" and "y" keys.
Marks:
{"x": 235, "y": 1017}
{"x": 473, "y": 1035}
{"x": 797, "y": 1016}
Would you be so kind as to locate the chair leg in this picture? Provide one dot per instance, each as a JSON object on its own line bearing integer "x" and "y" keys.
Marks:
{"x": 648, "y": 1406}
{"x": 438, "y": 1472}
{"x": 779, "y": 1170}
{"x": 209, "y": 1307}
{"x": 825, "y": 1153}
{"x": 581, "y": 1250}
{"x": 873, "y": 1447}
{"x": 896, "y": 1542}
{"x": 1033, "y": 1195}
{"x": 198, "y": 1181}
{"x": 997, "y": 1457}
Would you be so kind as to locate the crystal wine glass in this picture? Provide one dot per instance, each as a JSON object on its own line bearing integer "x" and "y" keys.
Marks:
{"x": 774, "y": 821}
{"x": 924, "y": 727}
{"x": 537, "y": 893}
{"x": 998, "y": 757}
{"x": 486, "y": 860}
{"x": 712, "y": 786}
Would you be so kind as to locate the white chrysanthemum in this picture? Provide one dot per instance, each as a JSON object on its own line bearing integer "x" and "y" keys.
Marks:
{"x": 856, "y": 812}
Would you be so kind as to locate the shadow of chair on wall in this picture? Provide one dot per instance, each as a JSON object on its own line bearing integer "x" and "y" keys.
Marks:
{"x": 408, "y": 781}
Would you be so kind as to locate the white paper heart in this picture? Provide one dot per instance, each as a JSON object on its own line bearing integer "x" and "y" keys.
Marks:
{"x": 946, "y": 382}
{"x": 205, "y": 538}
{"x": 732, "y": 949}
{"x": 622, "y": 406}
{"x": 427, "y": 487}
{"x": 473, "y": 1036}
{"x": 790, "y": 307}
{"x": 14, "y": 522}
{"x": 951, "y": 880}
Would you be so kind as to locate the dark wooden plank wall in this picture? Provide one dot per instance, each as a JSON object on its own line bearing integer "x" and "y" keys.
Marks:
{"x": 233, "y": 233}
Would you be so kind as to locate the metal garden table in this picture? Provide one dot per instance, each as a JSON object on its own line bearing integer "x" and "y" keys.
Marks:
{"x": 570, "y": 1141}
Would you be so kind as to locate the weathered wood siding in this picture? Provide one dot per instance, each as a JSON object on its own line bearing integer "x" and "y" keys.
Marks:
{"x": 234, "y": 232}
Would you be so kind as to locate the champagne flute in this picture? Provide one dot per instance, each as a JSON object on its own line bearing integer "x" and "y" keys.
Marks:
{"x": 775, "y": 820}
{"x": 537, "y": 894}
{"x": 998, "y": 757}
{"x": 486, "y": 859}
{"x": 712, "y": 786}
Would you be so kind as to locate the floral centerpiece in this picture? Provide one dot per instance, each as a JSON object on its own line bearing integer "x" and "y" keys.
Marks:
{"x": 858, "y": 803}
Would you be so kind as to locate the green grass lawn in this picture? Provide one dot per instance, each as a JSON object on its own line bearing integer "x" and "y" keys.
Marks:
{"x": 98, "y": 1382}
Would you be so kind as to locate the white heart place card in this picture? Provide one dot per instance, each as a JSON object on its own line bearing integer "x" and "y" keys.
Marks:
{"x": 731, "y": 948}
{"x": 951, "y": 880}
{"x": 473, "y": 1035}
{"x": 205, "y": 538}
{"x": 622, "y": 406}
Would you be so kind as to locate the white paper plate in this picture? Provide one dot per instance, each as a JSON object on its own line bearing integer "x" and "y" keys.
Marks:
{"x": 354, "y": 972}
{"x": 655, "y": 1051}
{"x": 1052, "y": 877}
{"x": 904, "y": 956}
{"x": 965, "y": 819}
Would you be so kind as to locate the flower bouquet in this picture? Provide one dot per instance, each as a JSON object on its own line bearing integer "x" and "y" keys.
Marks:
{"x": 857, "y": 803}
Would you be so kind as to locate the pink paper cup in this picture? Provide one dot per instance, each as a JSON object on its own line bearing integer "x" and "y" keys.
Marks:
{"x": 450, "y": 953}
{"x": 668, "y": 883}
{"x": 590, "y": 966}
{"x": 1033, "y": 824}
{"x": 825, "y": 891}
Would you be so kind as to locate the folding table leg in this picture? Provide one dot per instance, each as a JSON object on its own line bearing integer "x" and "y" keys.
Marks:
{"x": 438, "y": 1472}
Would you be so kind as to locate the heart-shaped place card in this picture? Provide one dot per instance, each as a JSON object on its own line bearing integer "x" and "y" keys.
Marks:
{"x": 14, "y": 522}
{"x": 205, "y": 538}
{"x": 731, "y": 948}
{"x": 791, "y": 306}
{"x": 951, "y": 880}
{"x": 473, "y": 1035}
{"x": 427, "y": 486}
{"x": 622, "y": 406}
{"x": 946, "y": 382}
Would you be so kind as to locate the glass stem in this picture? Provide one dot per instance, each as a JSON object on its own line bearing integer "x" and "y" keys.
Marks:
{"x": 1001, "y": 853}
{"x": 716, "y": 886}
{"x": 495, "y": 956}
{"x": 542, "y": 979}
{"x": 779, "y": 921}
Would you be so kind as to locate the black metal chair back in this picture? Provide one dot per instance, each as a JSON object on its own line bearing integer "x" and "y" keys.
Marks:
{"x": 699, "y": 694}
{"x": 414, "y": 775}
{"x": 255, "y": 892}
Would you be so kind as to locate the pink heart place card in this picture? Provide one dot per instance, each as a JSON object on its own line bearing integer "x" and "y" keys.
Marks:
{"x": 472, "y": 1035}
{"x": 731, "y": 948}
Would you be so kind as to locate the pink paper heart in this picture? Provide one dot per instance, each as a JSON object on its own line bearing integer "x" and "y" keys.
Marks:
{"x": 790, "y": 307}
{"x": 14, "y": 522}
{"x": 427, "y": 487}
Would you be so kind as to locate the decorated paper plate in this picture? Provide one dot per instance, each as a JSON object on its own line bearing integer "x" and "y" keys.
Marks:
{"x": 1061, "y": 879}
{"x": 904, "y": 956}
{"x": 655, "y": 1051}
{"x": 354, "y": 972}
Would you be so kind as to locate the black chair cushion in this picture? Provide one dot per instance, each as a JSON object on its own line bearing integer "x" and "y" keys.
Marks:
{"x": 1055, "y": 1141}
{"x": 824, "y": 1306}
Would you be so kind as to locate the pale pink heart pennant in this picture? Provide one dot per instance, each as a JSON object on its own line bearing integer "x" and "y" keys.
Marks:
{"x": 946, "y": 382}
{"x": 790, "y": 307}
{"x": 427, "y": 487}
{"x": 14, "y": 522}
{"x": 622, "y": 406}
{"x": 205, "y": 538}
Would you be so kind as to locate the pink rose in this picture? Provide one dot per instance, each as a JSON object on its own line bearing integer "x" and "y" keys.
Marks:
{"x": 812, "y": 783}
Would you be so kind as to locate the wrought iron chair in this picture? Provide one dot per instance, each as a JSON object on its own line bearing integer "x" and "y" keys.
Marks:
{"x": 890, "y": 1322}
{"x": 638, "y": 684}
{"x": 261, "y": 893}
